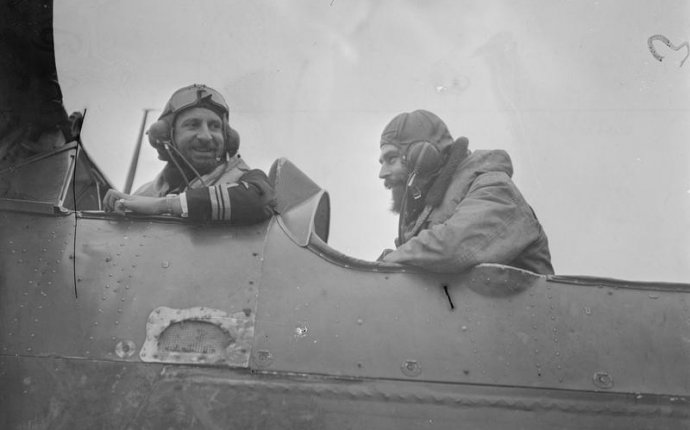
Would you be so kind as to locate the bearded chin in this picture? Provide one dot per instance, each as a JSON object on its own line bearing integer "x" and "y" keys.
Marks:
{"x": 207, "y": 167}
{"x": 397, "y": 193}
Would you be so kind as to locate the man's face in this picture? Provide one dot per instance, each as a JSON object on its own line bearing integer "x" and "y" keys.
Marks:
{"x": 199, "y": 137}
{"x": 394, "y": 173}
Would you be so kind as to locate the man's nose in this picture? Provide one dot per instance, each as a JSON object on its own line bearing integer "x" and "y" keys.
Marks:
{"x": 384, "y": 172}
{"x": 204, "y": 133}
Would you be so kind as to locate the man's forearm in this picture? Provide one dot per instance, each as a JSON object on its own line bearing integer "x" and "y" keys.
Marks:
{"x": 248, "y": 201}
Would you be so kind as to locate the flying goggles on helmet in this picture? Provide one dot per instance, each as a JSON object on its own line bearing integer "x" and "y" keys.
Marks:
{"x": 195, "y": 95}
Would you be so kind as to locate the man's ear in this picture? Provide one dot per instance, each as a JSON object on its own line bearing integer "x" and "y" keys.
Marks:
{"x": 232, "y": 141}
{"x": 423, "y": 157}
{"x": 159, "y": 135}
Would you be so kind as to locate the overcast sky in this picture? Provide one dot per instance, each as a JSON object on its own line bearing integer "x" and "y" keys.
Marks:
{"x": 597, "y": 128}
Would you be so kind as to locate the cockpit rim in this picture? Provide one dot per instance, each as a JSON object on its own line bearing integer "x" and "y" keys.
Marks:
{"x": 298, "y": 221}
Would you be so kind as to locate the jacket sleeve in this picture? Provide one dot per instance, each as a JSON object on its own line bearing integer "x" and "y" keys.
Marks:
{"x": 492, "y": 224}
{"x": 250, "y": 200}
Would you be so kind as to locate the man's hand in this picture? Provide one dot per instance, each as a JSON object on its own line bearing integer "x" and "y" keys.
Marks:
{"x": 118, "y": 202}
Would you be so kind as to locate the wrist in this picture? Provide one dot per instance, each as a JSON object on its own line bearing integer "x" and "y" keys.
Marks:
{"x": 161, "y": 205}
{"x": 172, "y": 205}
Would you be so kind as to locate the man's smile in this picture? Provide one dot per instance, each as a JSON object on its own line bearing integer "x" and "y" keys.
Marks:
{"x": 204, "y": 150}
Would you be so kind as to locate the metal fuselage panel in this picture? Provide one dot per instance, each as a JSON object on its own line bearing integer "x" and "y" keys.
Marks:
{"x": 334, "y": 347}
{"x": 507, "y": 327}
{"x": 37, "y": 284}
{"x": 125, "y": 268}
{"x": 60, "y": 394}
{"x": 329, "y": 343}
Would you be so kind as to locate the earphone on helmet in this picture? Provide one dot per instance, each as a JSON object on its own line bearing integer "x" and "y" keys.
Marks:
{"x": 423, "y": 158}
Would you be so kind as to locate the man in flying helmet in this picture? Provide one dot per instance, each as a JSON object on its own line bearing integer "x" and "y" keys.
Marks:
{"x": 204, "y": 178}
{"x": 457, "y": 208}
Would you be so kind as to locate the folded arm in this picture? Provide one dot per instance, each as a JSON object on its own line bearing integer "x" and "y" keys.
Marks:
{"x": 492, "y": 224}
{"x": 249, "y": 200}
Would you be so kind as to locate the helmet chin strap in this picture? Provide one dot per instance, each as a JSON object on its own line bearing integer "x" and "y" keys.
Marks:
{"x": 410, "y": 187}
{"x": 177, "y": 151}
{"x": 166, "y": 145}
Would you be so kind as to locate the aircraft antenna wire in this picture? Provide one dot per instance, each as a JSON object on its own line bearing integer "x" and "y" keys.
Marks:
{"x": 74, "y": 241}
{"x": 77, "y": 138}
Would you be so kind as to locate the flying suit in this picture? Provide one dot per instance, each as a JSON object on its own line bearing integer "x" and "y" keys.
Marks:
{"x": 482, "y": 218}
{"x": 232, "y": 193}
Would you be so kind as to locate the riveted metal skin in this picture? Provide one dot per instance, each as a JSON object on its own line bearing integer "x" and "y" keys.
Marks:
{"x": 59, "y": 393}
{"x": 105, "y": 322}
{"x": 128, "y": 268}
{"x": 333, "y": 342}
{"x": 509, "y": 327}
{"x": 125, "y": 268}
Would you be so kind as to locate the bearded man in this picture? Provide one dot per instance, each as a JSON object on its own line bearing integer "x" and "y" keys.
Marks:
{"x": 204, "y": 178}
{"x": 457, "y": 208}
